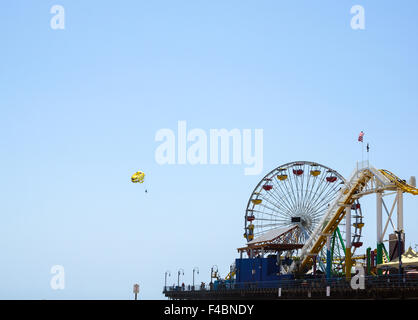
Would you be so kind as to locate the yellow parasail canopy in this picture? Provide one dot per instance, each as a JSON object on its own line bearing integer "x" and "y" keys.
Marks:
{"x": 138, "y": 177}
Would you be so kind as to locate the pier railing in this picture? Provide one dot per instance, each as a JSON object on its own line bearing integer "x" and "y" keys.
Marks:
{"x": 384, "y": 281}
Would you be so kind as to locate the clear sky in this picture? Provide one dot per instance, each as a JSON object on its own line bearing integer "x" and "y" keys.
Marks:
{"x": 80, "y": 108}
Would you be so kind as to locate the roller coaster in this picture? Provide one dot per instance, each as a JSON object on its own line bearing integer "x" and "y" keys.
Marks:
{"x": 303, "y": 219}
{"x": 363, "y": 181}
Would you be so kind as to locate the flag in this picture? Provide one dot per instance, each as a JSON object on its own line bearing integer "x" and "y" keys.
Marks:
{"x": 360, "y": 136}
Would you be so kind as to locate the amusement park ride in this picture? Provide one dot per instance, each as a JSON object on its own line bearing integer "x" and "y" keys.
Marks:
{"x": 304, "y": 218}
{"x": 312, "y": 215}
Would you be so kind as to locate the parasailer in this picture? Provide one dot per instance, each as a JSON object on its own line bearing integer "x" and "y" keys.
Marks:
{"x": 138, "y": 177}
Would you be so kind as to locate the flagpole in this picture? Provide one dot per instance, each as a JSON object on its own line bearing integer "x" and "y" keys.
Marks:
{"x": 368, "y": 147}
{"x": 360, "y": 138}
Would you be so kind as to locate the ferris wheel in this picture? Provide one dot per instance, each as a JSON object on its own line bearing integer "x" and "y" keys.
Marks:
{"x": 299, "y": 193}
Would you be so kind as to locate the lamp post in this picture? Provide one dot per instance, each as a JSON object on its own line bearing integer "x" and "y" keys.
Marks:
{"x": 213, "y": 270}
{"x": 136, "y": 290}
{"x": 195, "y": 269}
{"x": 181, "y": 271}
{"x": 165, "y": 279}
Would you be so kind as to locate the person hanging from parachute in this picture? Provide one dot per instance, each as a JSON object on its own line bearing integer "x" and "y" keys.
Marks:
{"x": 138, "y": 177}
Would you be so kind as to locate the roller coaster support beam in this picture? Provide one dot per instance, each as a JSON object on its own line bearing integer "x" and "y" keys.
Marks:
{"x": 379, "y": 235}
{"x": 329, "y": 261}
{"x": 348, "y": 242}
{"x": 400, "y": 209}
{"x": 401, "y": 234}
{"x": 369, "y": 264}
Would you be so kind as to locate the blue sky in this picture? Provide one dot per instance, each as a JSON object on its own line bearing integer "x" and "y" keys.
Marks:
{"x": 80, "y": 108}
